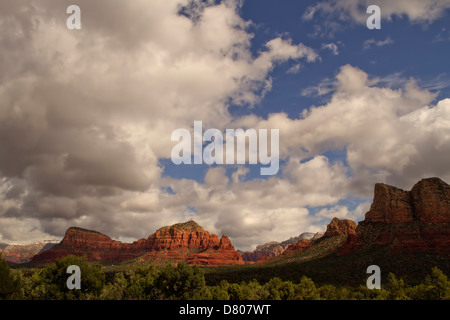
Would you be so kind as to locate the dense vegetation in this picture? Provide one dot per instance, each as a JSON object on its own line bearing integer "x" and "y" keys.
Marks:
{"x": 188, "y": 282}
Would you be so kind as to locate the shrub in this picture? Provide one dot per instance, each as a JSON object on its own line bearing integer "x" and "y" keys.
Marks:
{"x": 10, "y": 283}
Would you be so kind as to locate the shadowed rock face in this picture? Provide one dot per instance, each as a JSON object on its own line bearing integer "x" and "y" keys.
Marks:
{"x": 431, "y": 201}
{"x": 428, "y": 201}
{"x": 390, "y": 205}
{"x": 407, "y": 221}
{"x": 181, "y": 242}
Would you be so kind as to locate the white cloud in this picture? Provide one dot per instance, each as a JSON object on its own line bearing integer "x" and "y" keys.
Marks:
{"x": 294, "y": 69}
{"x": 384, "y": 132}
{"x": 332, "y": 47}
{"x": 334, "y": 15}
{"x": 415, "y": 10}
{"x": 343, "y": 212}
{"x": 324, "y": 87}
{"x": 87, "y": 115}
{"x": 381, "y": 43}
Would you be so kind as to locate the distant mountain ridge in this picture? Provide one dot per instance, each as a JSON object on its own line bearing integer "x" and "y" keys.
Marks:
{"x": 22, "y": 253}
{"x": 274, "y": 248}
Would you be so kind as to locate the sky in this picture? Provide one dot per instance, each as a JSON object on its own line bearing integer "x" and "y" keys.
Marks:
{"x": 86, "y": 115}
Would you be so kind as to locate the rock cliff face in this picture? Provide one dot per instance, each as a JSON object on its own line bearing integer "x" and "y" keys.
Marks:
{"x": 406, "y": 221}
{"x": 428, "y": 201}
{"x": 180, "y": 242}
{"x": 431, "y": 201}
{"x": 390, "y": 205}
{"x": 338, "y": 227}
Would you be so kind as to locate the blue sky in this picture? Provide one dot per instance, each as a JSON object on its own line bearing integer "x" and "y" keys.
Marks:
{"x": 402, "y": 49}
{"x": 86, "y": 116}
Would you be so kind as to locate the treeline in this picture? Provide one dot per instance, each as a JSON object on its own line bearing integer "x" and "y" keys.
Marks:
{"x": 188, "y": 283}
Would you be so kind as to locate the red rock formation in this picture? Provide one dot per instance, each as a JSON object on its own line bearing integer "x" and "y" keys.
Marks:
{"x": 259, "y": 254}
{"x": 180, "y": 242}
{"x": 338, "y": 227}
{"x": 406, "y": 221}
{"x": 428, "y": 201}
{"x": 297, "y": 247}
{"x": 431, "y": 201}
{"x": 273, "y": 249}
{"x": 95, "y": 245}
{"x": 390, "y": 205}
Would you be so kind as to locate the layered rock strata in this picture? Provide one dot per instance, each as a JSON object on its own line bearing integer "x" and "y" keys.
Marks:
{"x": 180, "y": 242}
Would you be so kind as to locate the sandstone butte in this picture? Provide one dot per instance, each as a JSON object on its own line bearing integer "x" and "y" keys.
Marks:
{"x": 180, "y": 242}
{"x": 405, "y": 221}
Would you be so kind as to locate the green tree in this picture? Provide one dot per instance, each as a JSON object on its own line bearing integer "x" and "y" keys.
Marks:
{"x": 276, "y": 289}
{"x": 10, "y": 283}
{"x": 116, "y": 289}
{"x": 244, "y": 291}
{"x": 328, "y": 292}
{"x": 218, "y": 293}
{"x": 181, "y": 282}
{"x": 437, "y": 285}
{"x": 396, "y": 288}
{"x": 141, "y": 283}
{"x": 306, "y": 290}
{"x": 364, "y": 293}
{"x": 50, "y": 283}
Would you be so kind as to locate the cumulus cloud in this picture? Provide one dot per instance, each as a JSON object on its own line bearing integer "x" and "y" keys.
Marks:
{"x": 343, "y": 212}
{"x": 84, "y": 113}
{"x": 384, "y": 132}
{"x": 256, "y": 211}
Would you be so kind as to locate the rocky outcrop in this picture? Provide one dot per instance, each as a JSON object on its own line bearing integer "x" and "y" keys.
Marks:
{"x": 273, "y": 249}
{"x": 339, "y": 227}
{"x": 181, "y": 242}
{"x": 428, "y": 201}
{"x": 298, "y": 247}
{"x": 267, "y": 250}
{"x": 406, "y": 221}
{"x": 390, "y": 205}
{"x": 431, "y": 201}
